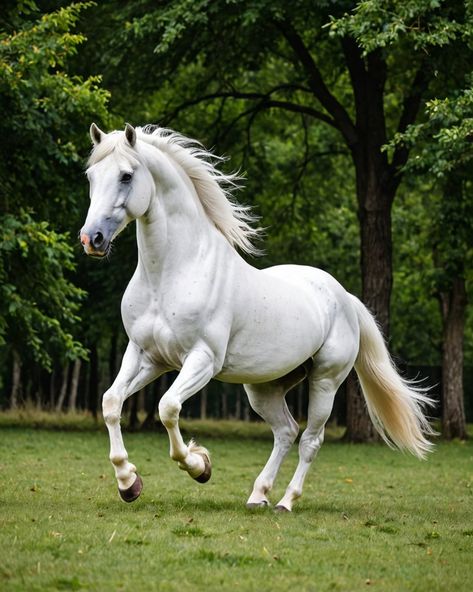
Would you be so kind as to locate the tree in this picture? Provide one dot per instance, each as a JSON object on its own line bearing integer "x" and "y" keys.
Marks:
{"x": 444, "y": 152}
{"x": 40, "y": 166}
{"x": 363, "y": 69}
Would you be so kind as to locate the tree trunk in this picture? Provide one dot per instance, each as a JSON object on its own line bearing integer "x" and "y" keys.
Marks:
{"x": 52, "y": 389}
{"x": 112, "y": 359}
{"x": 16, "y": 380}
{"x": 238, "y": 405}
{"x": 376, "y": 261}
{"x": 203, "y": 402}
{"x": 159, "y": 387}
{"x": 374, "y": 212}
{"x": 152, "y": 398}
{"x": 224, "y": 412}
{"x": 133, "y": 420}
{"x": 360, "y": 428}
{"x": 453, "y": 306}
{"x": 74, "y": 384}
{"x": 93, "y": 381}
{"x": 246, "y": 406}
{"x": 63, "y": 391}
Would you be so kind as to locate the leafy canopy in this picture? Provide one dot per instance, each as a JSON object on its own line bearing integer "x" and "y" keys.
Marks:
{"x": 40, "y": 166}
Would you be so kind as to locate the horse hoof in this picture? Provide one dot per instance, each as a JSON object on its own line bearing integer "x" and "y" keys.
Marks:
{"x": 133, "y": 492}
{"x": 281, "y": 509}
{"x": 205, "y": 476}
{"x": 257, "y": 505}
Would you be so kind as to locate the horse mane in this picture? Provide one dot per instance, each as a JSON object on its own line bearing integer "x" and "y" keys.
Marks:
{"x": 213, "y": 187}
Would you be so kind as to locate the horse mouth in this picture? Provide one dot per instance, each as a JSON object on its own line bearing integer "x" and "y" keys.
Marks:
{"x": 96, "y": 253}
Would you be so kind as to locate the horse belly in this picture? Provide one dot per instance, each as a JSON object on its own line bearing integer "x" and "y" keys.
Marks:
{"x": 276, "y": 337}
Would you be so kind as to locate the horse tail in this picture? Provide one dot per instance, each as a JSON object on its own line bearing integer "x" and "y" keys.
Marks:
{"x": 396, "y": 406}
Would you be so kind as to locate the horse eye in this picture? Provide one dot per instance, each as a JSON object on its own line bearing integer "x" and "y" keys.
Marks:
{"x": 126, "y": 178}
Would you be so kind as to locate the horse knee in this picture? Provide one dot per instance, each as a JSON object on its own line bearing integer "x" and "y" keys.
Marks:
{"x": 169, "y": 409}
{"x": 111, "y": 407}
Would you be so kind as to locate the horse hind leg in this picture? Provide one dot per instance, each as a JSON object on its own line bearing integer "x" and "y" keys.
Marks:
{"x": 324, "y": 381}
{"x": 268, "y": 400}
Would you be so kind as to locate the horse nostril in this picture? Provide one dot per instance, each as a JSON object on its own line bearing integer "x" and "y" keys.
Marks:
{"x": 98, "y": 239}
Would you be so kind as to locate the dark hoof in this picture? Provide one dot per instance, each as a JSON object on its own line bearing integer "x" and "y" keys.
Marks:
{"x": 281, "y": 509}
{"x": 133, "y": 492}
{"x": 205, "y": 476}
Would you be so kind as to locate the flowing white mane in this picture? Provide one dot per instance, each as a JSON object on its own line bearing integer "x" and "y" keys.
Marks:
{"x": 214, "y": 188}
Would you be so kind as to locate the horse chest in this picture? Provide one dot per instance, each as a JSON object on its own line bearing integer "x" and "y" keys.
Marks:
{"x": 159, "y": 329}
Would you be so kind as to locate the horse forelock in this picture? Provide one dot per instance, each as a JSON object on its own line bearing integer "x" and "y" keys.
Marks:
{"x": 113, "y": 143}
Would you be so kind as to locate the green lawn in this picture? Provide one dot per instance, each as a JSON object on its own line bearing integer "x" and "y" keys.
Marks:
{"x": 369, "y": 518}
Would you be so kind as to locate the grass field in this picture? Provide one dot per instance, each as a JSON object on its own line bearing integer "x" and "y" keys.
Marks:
{"x": 370, "y": 518}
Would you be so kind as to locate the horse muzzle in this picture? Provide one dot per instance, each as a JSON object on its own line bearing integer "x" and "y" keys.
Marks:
{"x": 95, "y": 244}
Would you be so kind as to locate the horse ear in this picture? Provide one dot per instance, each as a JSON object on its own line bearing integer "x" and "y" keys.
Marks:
{"x": 95, "y": 134}
{"x": 130, "y": 134}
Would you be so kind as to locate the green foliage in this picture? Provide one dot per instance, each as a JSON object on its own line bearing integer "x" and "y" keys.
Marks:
{"x": 47, "y": 108}
{"x": 210, "y": 70}
{"x": 444, "y": 139}
{"x": 221, "y": 71}
{"x": 38, "y": 304}
{"x": 443, "y": 153}
{"x": 416, "y": 328}
{"x": 421, "y": 23}
{"x": 40, "y": 164}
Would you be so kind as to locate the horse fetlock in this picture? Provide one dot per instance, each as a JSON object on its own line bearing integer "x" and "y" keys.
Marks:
{"x": 293, "y": 493}
{"x": 126, "y": 480}
{"x": 118, "y": 459}
{"x": 124, "y": 471}
{"x": 180, "y": 457}
{"x": 262, "y": 486}
{"x": 192, "y": 463}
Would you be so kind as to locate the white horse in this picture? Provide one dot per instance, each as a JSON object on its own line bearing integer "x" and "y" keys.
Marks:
{"x": 194, "y": 305}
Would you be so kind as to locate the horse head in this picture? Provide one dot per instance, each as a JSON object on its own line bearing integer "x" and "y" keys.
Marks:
{"x": 120, "y": 188}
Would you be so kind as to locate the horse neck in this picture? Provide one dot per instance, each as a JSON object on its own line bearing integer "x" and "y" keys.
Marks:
{"x": 175, "y": 230}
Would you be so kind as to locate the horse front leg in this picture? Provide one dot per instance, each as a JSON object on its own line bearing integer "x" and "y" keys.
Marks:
{"x": 136, "y": 372}
{"x": 196, "y": 372}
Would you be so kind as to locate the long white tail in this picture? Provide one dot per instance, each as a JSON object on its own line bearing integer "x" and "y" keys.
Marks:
{"x": 394, "y": 404}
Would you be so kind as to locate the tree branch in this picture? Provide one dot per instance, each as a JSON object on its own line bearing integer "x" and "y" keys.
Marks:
{"x": 368, "y": 79}
{"x": 410, "y": 110}
{"x": 265, "y": 102}
{"x": 317, "y": 84}
{"x": 357, "y": 72}
{"x": 296, "y": 108}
